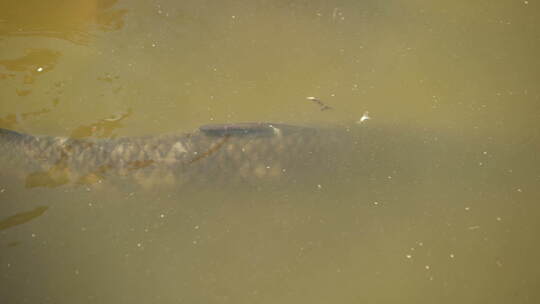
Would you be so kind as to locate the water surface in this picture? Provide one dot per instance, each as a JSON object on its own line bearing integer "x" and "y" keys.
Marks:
{"x": 457, "y": 223}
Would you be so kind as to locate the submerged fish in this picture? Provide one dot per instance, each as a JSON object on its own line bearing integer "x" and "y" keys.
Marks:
{"x": 246, "y": 152}
{"x": 21, "y": 218}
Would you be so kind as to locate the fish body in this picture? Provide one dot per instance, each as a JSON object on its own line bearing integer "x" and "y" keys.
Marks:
{"x": 246, "y": 153}
{"x": 243, "y": 152}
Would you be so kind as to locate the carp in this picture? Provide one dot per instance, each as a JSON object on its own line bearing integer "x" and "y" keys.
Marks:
{"x": 222, "y": 153}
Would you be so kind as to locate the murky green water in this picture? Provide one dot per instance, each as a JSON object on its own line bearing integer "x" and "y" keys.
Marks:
{"x": 441, "y": 207}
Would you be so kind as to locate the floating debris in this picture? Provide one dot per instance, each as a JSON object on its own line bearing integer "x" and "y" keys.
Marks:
{"x": 364, "y": 117}
{"x": 319, "y": 102}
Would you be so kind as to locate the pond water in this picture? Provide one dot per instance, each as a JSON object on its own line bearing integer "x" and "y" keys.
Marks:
{"x": 431, "y": 197}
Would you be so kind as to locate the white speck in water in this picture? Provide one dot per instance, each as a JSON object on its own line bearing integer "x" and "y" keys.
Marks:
{"x": 427, "y": 267}
{"x": 162, "y": 215}
{"x": 473, "y": 227}
{"x": 276, "y": 132}
{"x": 267, "y": 167}
{"x": 526, "y": 2}
{"x": 154, "y": 44}
{"x": 139, "y": 245}
{"x": 519, "y": 190}
{"x": 39, "y": 69}
{"x": 2, "y": 190}
{"x": 420, "y": 244}
{"x": 196, "y": 227}
{"x": 33, "y": 235}
{"x": 467, "y": 208}
{"x": 498, "y": 219}
{"x": 319, "y": 186}
{"x": 452, "y": 255}
{"x": 375, "y": 203}
{"x": 364, "y": 117}
{"x": 408, "y": 256}
{"x": 234, "y": 17}
{"x": 76, "y": 271}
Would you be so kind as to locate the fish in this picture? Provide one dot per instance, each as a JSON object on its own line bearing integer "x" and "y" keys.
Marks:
{"x": 239, "y": 151}
{"x": 21, "y": 218}
{"x": 247, "y": 153}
